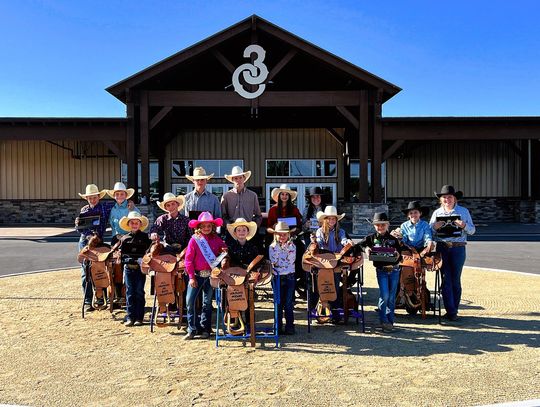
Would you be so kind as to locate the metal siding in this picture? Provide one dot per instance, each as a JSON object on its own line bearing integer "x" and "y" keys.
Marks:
{"x": 480, "y": 169}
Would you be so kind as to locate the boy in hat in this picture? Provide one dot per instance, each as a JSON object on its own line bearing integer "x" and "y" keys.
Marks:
{"x": 132, "y": 247}
{"x": 451, "y": 245}
{"x": 416, "y": 232}
{"x": 101, "y": 211}
{"x": 172, "y": 226}
{"x": 121, "y": 208}
{"x": 387, "y": 273}
{"x": 282, "y": 253}
{"x": 242, "y": 250}
{"x": 200, "y": 199}
{"x": 240, "y": 202}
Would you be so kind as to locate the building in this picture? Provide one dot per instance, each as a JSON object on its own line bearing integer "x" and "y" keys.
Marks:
{"x": 260, "y": 97}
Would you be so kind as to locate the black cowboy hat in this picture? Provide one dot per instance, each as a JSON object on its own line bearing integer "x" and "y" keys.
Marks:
{"x": 449, "y": 190}
{"x": 424, "y": 210}
{"x": 315, "y": 191}
{"x": 380, "y": 217}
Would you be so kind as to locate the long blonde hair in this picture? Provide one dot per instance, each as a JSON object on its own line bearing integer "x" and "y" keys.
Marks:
{"x": 326, "y": 231}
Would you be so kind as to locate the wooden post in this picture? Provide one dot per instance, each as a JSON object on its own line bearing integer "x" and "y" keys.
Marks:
{"x": 363, "y": 142}
{"x": 144, "y": 148}
{"x": 131, "y": 149}
{"x": 376, "y": 163}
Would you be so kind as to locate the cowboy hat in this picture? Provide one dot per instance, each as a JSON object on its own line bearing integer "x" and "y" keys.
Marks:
{"x": 283, "y": 188}
{"x": 237, "y": 171}
{"x": 92, "y": 189}
{"x": 120, "y": 186}
{"x": 329, "y": 211}
{"x": 449, "y": 190}
{"x": 315, "y": 191}
{"x": 124, "y": 221}
{"x": 169, "y": 197}
{"x": 252, "y": 227}
{"x": 199, "y": 173}
{"x": 380, "y": 218}
{"x": 424, "y": 210}
{"x": 280, "y": 227}
{"x": 205, "y": 217}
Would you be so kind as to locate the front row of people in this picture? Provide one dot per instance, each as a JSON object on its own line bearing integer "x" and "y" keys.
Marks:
{"x": 204, "y": 246}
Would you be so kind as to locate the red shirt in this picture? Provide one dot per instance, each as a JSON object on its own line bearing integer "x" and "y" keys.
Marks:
{"x": 273, "y": 215}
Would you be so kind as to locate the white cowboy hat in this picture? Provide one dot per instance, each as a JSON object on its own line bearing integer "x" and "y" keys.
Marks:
{"x": 281, "y": 227}
{"x": 92, "y": 189}
{"x": 329, "y": 211}
{"x": 169, "y": 197}
{"x": 236, "y": 171}
{"x": 124, "y": 221}
{"x": 120, "y": 186}
{"x": 283, "y": 188}
{"x": 205, "y": 217}
{"x": 199, "y": 173}
{"x": 252, "y": 227}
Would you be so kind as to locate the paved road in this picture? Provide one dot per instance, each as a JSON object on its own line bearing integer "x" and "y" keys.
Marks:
{"x": 18, "y": 255}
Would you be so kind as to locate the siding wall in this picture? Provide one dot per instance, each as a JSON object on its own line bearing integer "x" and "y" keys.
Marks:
{"x": 255, "y": 146}
{"x": 41, "y": 170}
{"x": 479, "y": 169}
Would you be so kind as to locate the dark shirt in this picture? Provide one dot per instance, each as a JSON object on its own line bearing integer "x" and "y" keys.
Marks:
{"x": 386, "y": 240}
{"x": 240, "y": 255}
{"x": 103, "y": 210}
{"x": 175, "y": 230}
{"x": 134, "y": 246}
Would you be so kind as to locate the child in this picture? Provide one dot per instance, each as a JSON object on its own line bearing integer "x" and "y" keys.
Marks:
{"x": 416, "y": 232}
{"x": 387, "y": 273}
{"x": 282, "y": 254}
{"x": 101, "y": 211}
{"x": 121, "y": 208}
{"x": 202, "y": 249}
{"x": 331, "y": 238}
{"x": 316, "y": 204}
{"x": 242, "y": 250}
{"x": 132, "y": 247}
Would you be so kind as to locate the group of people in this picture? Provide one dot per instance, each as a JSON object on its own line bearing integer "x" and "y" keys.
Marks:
{"x": 205, "y": 227}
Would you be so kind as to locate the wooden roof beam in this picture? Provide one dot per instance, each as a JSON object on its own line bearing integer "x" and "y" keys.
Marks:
{"x": 160, "y": 116}
{"x": 281, "y": 64}
{"x": 348, "y": 115}
{"x": 224, "y": 61}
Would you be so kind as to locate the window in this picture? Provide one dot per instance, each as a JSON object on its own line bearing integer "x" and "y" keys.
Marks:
{"x": 216, "y": 189}
{"x": 154, "y": 175}
{"x": 301, "y": 168}
{"x": 355, "y": 177}
{"x": 181, "y": 168}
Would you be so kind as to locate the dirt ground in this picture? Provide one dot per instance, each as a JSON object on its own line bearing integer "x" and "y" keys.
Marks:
{"x": 51, "y": 356}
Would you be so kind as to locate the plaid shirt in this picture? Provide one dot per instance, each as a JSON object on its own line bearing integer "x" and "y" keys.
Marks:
{"x": 103, "y": 210}
{"x": 175, "y": 230}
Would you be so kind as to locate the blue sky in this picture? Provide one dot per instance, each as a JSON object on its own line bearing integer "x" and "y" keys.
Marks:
{"x": 458, "y": 58}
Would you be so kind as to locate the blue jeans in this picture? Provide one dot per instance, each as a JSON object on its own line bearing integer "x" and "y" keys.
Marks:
{"x": 388, "y": 284}
{"x": 87, "y": 290}
{"x": 134, "y": 280}
{"x": 194, "y": 324}
{"x": 286, "y": 300}
{"x": 453, "y": 260}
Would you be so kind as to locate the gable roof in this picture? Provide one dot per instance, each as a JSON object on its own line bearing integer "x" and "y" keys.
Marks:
{"x": 253, "y": 22}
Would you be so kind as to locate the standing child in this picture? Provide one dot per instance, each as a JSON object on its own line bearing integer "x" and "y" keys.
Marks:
{"x": 203, "y": 248}
{"x": 387, "y": 273}
{"x": 132, "y": 247}
{"x": 282, "y": 254}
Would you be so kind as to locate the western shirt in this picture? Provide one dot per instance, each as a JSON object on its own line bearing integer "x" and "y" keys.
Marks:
{"x": 244, "y": 204}
{"x": 194, "y": 260}
{"x": 282, "y": 257}
{"x": 117, "y": 213}
{"x": 103, "y": 210}
{"x": 202, "y": 202}
{"x": 417, "y": 235}
{"x": 242, "y": 255}
{"x": 175, "y": 230}
{"x": 332, "y": 245}
{"x": 465, "y": 217}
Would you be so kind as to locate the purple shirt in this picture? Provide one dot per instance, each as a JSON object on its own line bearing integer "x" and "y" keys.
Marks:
{"x": 176, "y": 230}
{"x": 103, "y": 210}
{"x": 195, "y": 260}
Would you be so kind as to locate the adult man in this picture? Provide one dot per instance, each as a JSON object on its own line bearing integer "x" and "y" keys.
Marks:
{"x": 200, "y": 199}
{"x": 240, "y": 202}
{"x": 173, "y": 226}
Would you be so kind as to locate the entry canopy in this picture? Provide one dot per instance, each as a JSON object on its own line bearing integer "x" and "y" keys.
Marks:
{"x": 293, "y": 64}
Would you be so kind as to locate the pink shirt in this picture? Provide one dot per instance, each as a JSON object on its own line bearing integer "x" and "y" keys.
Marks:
{"x": 195, "y": 260}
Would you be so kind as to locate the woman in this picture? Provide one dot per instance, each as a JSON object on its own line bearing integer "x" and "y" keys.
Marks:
{"x": 309, "y": 217}
{"x": 284, "y": 207}
{"x": 451, "y": 224}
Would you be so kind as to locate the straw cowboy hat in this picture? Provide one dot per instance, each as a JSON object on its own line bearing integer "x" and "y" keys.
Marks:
{"x": 449, "y": 190}
{"x": 329, "y": 211}
{"x": 199, "y": 173}
{"x": 120, "y": 186}
{"x": 169, "y": 197}
{"x": 124, "y": 221}
{"x": 281, "y": 227}
{"x": 205, "y": 217}
{"x": 237, "y": 171}
{"x": 252, "y": 227}
{"x": 424, "y": 210}
{"x": 380, "y": 218}
{"x": 92, "y": 189}
{"x": 283, "y": 188}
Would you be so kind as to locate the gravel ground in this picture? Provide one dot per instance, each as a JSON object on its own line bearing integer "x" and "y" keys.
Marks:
{"x": 50, "y": 356}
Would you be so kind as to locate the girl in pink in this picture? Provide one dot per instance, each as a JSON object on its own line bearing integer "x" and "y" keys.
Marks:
{"x": 202, "y": 255}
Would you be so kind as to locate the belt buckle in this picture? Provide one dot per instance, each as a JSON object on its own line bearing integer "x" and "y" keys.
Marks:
{"x": 204, "y": 273}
